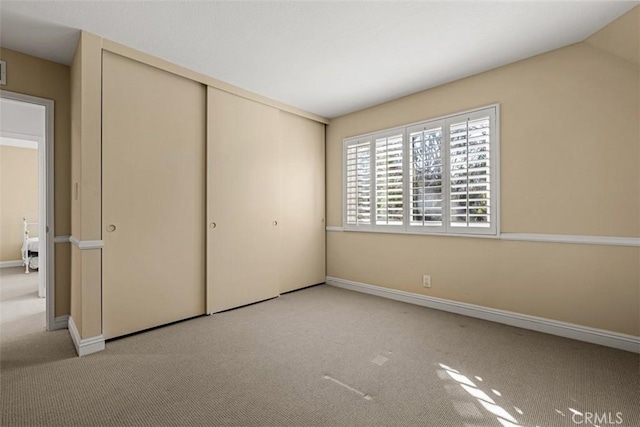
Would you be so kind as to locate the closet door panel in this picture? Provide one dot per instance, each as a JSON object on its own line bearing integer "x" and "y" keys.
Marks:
{"x": 302, "y": 203}
{"x": 242, "y": 201}
{"x": 154, "y": 145}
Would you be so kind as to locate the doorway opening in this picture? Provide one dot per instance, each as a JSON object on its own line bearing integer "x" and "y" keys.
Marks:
{"x": 27, "y": 292}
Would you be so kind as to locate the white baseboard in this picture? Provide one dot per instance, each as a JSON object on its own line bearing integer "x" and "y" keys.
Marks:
{"x": 540, "y": 324}
{"x": 60, "y": 322}
{"x": 8, "y": 264}
{"x": 85, "y": 346}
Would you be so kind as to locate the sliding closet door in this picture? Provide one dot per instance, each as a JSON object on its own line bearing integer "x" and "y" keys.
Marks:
{"x": 242, "y": 201}
{"x": 302, "y": 196}
{"x": 153, "y": 142}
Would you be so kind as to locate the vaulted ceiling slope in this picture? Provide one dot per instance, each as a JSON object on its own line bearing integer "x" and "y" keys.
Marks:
{"x": 326, "y": 57}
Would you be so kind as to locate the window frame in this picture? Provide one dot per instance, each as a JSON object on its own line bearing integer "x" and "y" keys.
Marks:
{"x": 493, "y": 231}
{"x": 345, "y": 146}
{"x": 378, "y": 135}
{"x": 430, "y": 124}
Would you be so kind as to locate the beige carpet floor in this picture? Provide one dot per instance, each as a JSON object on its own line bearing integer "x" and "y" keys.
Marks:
{"x": 320, "y": 357}
{"x": 21, "y": 311}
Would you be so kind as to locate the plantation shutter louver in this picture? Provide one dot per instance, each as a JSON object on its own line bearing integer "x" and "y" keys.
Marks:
{"x": 470, "y": 172}
{"x": 389, "y": 199}
{"x": 358, "y": 182}
{"x": 426, "y": 180}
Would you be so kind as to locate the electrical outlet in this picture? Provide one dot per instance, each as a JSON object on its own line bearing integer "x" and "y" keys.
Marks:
{"x": 426, "y": 281}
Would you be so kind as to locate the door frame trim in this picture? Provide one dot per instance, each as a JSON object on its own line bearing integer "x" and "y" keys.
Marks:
{"x": 45, "y": 198}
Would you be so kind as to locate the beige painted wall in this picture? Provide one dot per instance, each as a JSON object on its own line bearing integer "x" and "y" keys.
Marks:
{"x": 18, "y": 198}
{"x": 76, "y": 118}
{"x": 620, "y": 37}
{"x": 86, "y": 203}
{"x": 570, "y": 156}
{"x": 37, "y": 77}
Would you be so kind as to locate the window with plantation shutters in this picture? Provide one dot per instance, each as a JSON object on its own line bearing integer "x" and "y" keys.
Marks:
{"x": 470, "y": 171}
{"x": 358, "y": 182}
{"x": 389, "y": 209}
{"x": 425, "y": 176}
{"x": 437, "y": 176}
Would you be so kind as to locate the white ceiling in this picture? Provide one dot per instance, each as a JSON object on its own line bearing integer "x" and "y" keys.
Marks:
{"x": 326, "y": 57}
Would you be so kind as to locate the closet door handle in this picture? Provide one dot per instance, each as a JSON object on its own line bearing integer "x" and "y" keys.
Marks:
{"x": 111, "y": 228}
{"x": 275, "y": 223}
{"x": 212, "y": 225}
